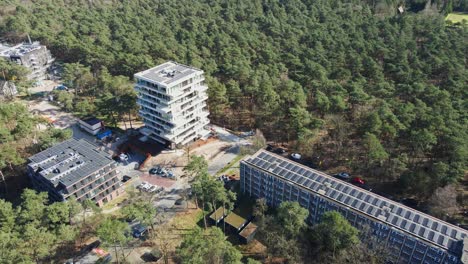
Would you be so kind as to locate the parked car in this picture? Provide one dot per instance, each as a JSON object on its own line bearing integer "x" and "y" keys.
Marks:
{"x": 155, "y": 170}
{"x": 179, "y": 201}
{"x": 223, "y": 178}
{"x": 126, "y": 178}
{"x": 139, "y": 230}
{"x": 358, "y": 180}
{"x": 343, "y": 175}
{"x": 280, "y": 150}
{"x": 123, "y": 157}
{"x": 296, "y": 156}
{"x": 61, "y": 87}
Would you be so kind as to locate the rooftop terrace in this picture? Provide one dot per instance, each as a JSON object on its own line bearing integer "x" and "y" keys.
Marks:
{"x": 69, "y": 161}
{"x": 168, "y": 73}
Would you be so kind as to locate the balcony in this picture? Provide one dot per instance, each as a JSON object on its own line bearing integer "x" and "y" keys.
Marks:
{"x": 204, "y": 113}
{"x": 201, "y": 88}
{"x": 155, "y": 94}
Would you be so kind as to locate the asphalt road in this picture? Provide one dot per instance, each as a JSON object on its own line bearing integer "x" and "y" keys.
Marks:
{"x": 223, "y": 159}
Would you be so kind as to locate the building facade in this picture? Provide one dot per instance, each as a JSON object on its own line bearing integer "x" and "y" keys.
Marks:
{"x": 92, "y": 125}
{"x": 172, "y": 99}
{"x": 34, "y": 56}
{"x": 7, "y": 90}
{"x": 410, "y": 236}
{"x": 75, "y": 169}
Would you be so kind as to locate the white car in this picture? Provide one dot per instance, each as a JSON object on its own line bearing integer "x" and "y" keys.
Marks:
{"x": 296, "y": 156}
{"x": 153, "y": 188}
{"x": 123, "y": 157}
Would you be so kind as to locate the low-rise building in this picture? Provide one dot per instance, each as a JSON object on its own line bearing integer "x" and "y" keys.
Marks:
{"x": 247, "y": 234}
{"x": 411, "y": 236}
{"x": 91, "y": 125}
{"x": 218, "y": 215}
{"x": 34, "y": 56}
{"x": 75, "y": 169}
{"x": 235, "y": 221}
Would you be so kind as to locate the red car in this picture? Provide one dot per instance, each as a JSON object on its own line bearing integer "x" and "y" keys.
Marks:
{"x": 357, "y": 180}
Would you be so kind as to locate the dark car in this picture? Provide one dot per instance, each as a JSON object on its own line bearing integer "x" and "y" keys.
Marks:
{"x": 358, "y": 181}
{"x": 343, "y": 175}
{"x": 280, "y": 150}
{"x": 126, "y": 178}
{"x": 139, "y": 230}
{"x": 179, "y": 201}
{"x": 155, "y": 170}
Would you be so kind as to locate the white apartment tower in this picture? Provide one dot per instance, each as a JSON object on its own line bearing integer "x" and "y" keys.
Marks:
{"x": 172, "y": 99}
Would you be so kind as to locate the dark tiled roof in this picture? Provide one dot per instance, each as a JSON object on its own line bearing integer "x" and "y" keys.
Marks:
{"x": 69, "y": 162}
{"x": 390, "y": 212}
{"x": 91, "y": 121}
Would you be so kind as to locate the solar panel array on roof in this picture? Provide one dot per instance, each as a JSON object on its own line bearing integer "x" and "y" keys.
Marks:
{"x": 69, "y": 161}
{"x": 405, "y": 218}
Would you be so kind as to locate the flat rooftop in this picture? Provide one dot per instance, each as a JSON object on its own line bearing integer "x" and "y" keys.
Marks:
{"x": 168, "y": 73}
{"x": 218, "y": 214}
{"x": 375, "y": 206}
{"x": 69, "y": 162}
{"x": 91, "y": 121}
{"x": 248, "y": 230}
{"x": 234, "y": 220}
{"x": 18, "y": 50}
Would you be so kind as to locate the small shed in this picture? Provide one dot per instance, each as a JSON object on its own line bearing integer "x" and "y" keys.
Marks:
{"x": 217, "y": 215}
{"x": 248, "y": 233}
{"x": 235, "y": 221}
{"x": 91, "y": 125}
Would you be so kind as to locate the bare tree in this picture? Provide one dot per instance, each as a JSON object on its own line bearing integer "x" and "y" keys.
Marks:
{"x": 443, "y": 203}
{"x": 165, "y": 240}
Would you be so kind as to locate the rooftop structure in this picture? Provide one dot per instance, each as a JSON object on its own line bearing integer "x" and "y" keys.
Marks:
{"x": 248, "y": 232}
{"x": 320, "y": 192}
{"x": 172, "y": 99}
{"x": 218, "y": 215}
{"x": 33, "y": 56}
{"x": 75, "y": 168}
{"x": 91, "y": 125}
{"x": 169, "y": 73}
{"x": 236, "y": 221}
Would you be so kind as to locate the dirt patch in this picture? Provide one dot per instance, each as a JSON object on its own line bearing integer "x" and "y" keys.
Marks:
{"x": 212, "y": 149}
{"x": 254, "y": 249}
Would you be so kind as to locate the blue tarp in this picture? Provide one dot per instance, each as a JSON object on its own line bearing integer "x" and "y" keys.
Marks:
{"x": 104, "y": 134}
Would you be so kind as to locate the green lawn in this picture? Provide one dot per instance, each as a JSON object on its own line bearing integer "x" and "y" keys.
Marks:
{"x": 457, "y": 17}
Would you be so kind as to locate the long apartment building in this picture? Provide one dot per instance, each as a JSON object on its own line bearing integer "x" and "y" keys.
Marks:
{"x": 75, "y": 169}
{"x": 410, "y": 236}
{"x": 34, "y": 56}
{"x": 172, "y": 99}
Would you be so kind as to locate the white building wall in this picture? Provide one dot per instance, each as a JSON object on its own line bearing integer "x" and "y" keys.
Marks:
{"x": 174, "y": 112}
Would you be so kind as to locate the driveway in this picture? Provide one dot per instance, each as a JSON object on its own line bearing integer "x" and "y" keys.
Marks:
{"x": 222, "y": 159}
{"x": 225, "y": 135}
